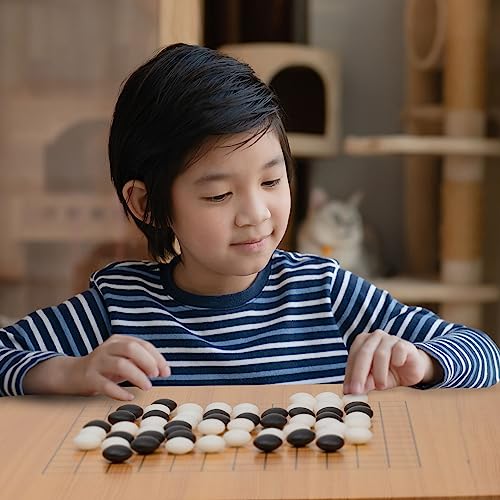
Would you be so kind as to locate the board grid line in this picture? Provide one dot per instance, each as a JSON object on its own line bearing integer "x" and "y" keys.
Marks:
{"x": 394, "y": 444}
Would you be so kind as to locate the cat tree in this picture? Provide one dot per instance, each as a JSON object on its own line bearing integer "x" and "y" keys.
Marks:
{"x": 458, "y": 49}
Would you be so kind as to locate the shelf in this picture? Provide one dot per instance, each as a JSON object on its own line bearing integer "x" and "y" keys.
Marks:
{"x": 413, "y": 291}
{"x": 435, "y": 114}
{"x": 423, "y": 145}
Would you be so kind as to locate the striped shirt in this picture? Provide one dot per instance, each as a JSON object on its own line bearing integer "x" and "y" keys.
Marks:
{"x": 294, "y": 324}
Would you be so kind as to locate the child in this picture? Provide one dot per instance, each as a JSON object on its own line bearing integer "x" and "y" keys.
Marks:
{"x": 199, "y": 154}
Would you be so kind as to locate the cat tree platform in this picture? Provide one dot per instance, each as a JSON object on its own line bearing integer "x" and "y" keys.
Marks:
{"x": 418, "y": 291}
{"x": 421, "y": 145}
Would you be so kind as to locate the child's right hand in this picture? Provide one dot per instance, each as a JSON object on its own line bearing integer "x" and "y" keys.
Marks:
{"x": 119, "y": 358}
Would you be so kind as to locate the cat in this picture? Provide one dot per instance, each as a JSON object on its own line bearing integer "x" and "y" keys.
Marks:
{"x": 335, "y": 229}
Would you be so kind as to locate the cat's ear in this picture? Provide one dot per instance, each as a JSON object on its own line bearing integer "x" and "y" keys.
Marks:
{"x": 355, "y": 199}
{"x": 317, "y": 199}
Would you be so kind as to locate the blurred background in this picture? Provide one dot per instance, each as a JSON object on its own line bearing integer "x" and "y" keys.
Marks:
{"x": 393, "y": 112}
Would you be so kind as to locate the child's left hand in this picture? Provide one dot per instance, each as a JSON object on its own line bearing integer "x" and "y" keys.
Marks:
{"x": 378, "y": 360}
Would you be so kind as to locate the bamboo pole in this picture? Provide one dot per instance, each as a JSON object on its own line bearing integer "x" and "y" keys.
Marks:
{"x": 180, "y": 21}
{"x": 462, "y": 192}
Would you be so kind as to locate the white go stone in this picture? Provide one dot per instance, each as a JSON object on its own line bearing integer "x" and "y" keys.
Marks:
{"x": 237, "y": 437}
{"x": 358, "y": 419}
{"x": 357, "y": 435}
{"x": 157, "y": 406}
{"x": 190, "y": 407}
{"x": 94, "y": 429}
{"x": 328, "y": 396}
{"x": 349, "y": 398}
{"x": 211, "y": 426}
{"x": 292, "y": 427}
{"x": 298, "y": 405}
{"x": 190, "y": 418}
{"x": 245, "y": 408}
{"x": 210, "y": 444}
{"x": 114, "y": 440}
{"x": 241, "y": 423}
{"x": 329, "y": 422}
{"x": 274, "y": 431}
{"x": 153, "y": 422}
{"x": 125, "y": 426}
{"x": 326, "y": 404}
{"x": 151, "y": 427}
{"x": 219, "y": 405}
{"x": 87, "y": 441}
{"x": 179, "y": 445}
{"x": 338, "y": 430}
{"x": 304, "y": 419}
{"x": 302, "y": 398}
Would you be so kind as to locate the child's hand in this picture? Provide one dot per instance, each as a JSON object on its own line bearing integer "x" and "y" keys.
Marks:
{"x": 381, "y": 361}
{"x": 119, "y": 358}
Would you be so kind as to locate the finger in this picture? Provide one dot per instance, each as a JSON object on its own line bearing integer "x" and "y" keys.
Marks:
{"x": 369, "y": 384}
{"x": 125, "y": 369}
{"x": 161, "y": 363}
{"x": 362, "y": 362}
{"x": 399, "y": 355}
{"x": 381, "y": 361}
{"x": 355, "y": 347}
{"x": 136, "y": 352}
{"x": 109, "y": 388}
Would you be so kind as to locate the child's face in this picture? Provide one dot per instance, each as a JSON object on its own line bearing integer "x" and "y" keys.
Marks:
{"x": 230, "y": 212}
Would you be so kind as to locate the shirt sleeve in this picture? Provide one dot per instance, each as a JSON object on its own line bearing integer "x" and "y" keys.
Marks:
{"x": 468, "y": 356}
{"x": 74, "y": 328}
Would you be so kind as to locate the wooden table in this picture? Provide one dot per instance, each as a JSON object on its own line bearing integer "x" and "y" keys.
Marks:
{"x": 427, "y": 444}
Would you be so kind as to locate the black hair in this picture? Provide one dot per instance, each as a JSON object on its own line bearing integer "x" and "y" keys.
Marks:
{"x": 167, "y": 110}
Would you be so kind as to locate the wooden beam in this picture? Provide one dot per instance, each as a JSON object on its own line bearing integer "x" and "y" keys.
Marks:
{"x": 423, "y": 145}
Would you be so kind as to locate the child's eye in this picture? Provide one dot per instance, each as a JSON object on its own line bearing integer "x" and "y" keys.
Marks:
{"x": 218, "y": 198}
{"x": 273, "y": 183}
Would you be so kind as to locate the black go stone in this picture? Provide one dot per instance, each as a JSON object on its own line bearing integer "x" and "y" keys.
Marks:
{"x": 250, "y": 416}
{"x": 99, "y": 423}
{"x": 172, "y": 405}
{"x": 121, "y": 416}
{"x": 135, "y": 409}
{"x": 117, "y": 453}
{"x": 216, "y": 410}
{"x": 156, "y": 413}
{"x": 155, "y": 434}
{"x": 125, "y": 435}
{"x": 328, "y": 414}
{"x": 355, "y": 403}
{"x": 275, "y": 420}
{"x": 329, "y": 442}
{"x": 299, "y": 410}
{"x": 144, "y": 445}
{"x": 177, "y": 423}
{"x": 267, "y": 442}
{"x": 331, "y": 409}
{"x": 279, "y": 411}
{"x": 181, "y": 432}
{"x": 360, "y": 409}
{"x": 301, "y": 437}
{"x": 223, "y": 417}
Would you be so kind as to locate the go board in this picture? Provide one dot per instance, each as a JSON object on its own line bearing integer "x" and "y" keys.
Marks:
{"x": 426, "y": 444}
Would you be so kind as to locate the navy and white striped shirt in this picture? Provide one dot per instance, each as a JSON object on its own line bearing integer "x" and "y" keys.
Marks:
{"x": 294, "y": 324}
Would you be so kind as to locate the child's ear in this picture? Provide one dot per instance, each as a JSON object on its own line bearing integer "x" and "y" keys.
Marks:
{"x": 136, "y": 196}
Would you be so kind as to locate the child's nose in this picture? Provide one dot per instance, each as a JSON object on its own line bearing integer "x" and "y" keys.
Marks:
{"x": 252, "y": 212}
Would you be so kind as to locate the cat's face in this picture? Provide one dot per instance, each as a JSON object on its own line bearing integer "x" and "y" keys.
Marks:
{"x": 337, "y": 223}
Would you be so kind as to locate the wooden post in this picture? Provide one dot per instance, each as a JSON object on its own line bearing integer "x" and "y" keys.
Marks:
{"x": 180, "y": 21}
{"x": 462, "y": 192}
